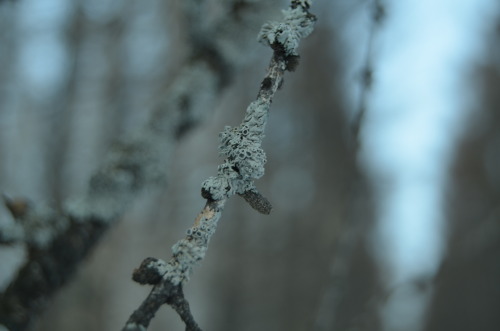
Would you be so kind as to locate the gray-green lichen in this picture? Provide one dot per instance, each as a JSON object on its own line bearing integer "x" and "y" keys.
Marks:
{"x": 37, "y": 228}
{"x": 244, "y": 156}
{"x": 296, "y": 25}
{"x": 189, "y": 251}
{"x": 186, "y": 255}
{"x": 127, "y": 168}
{"x": 134, "y": 327}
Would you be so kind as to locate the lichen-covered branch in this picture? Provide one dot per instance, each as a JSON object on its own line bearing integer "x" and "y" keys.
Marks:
{"x": 244, "y": 162}
{"x": 168, "y": 278}
{"x": 58, "y": 241}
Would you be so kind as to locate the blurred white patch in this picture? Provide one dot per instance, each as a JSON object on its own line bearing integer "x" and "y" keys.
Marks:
{"x": 39, "y": 16}
{"x": 43, "y": 64}
{"x": 411, "y": 211}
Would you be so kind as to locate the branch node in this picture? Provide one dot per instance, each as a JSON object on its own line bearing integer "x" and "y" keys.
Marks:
{"x": 205, "y": 193}
{"x": 150, "y": 271}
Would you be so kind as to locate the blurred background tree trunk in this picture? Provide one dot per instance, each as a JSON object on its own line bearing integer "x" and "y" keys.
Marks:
{"x": 467, "y": 287}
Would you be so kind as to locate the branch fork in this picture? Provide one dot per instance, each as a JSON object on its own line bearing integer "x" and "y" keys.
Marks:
{"x": 244, "y": 162}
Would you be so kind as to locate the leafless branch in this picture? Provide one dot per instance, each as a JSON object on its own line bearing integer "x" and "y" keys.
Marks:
{"x": 244, "y": 163}
{"x": 58, "y": 241}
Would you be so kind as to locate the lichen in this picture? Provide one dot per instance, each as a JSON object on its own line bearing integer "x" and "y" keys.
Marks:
{"x": 244, "y": 156}
{"x": 186, "y": 255}
{"x": 297, "y": 24}
{"x": 134, "y": 327}
{"x": 38, "y": 227}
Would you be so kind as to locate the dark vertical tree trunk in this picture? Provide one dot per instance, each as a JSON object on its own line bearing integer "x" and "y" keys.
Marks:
{"x": 467, "y": 286}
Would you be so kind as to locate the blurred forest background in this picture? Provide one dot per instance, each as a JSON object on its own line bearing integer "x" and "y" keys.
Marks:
{"x": 77, "y": 76}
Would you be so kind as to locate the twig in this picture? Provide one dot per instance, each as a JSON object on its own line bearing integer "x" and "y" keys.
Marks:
{"x": 137, "y": 162}
{"x": 165, "y": 293}
{"x": 378, "y": 13}
{"x": 244, "y": 163}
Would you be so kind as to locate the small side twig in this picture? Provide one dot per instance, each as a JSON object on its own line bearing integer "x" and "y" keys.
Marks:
{"x": 378, "y": 13}
{"x": 244, "y": 162}
{"x": 257, "y": 201}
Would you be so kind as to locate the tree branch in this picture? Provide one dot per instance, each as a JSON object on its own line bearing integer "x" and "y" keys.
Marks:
{"x": 58, "y": 241}
{"x": 244, "y": 163}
